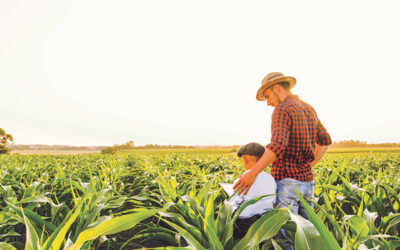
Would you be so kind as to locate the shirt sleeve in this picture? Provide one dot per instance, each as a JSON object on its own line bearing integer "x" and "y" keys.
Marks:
{"x": 280, "y": 129}
{"x": 323, "y": 137}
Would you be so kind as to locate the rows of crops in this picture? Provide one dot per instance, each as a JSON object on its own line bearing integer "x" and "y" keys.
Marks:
{"x": 144, "y": 201}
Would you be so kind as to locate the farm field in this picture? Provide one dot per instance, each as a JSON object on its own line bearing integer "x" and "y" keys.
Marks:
{"x": 134, "y": 201}
{"x": 363, "y": 149}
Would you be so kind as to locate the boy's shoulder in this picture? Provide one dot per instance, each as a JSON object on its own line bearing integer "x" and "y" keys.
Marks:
{"x": 266, "y": 182}
{"x": 263, "y": 183}
{"x": 265, "y": 177}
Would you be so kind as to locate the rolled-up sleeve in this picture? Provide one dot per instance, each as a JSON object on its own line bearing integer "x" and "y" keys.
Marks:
{"x": 280, "y": 129}
{"x": 323, "y": 137}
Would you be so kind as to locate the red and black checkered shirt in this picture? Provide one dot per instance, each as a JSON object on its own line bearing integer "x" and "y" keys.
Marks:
{"x": 296, "y": 130}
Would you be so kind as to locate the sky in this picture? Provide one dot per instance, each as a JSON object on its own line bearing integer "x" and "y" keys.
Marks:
{"x": 187, "y": 72}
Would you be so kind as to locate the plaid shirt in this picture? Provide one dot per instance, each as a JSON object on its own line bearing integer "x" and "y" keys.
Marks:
{"x": 296, "y": 130}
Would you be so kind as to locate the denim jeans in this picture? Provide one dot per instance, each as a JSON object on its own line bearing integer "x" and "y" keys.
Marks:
{"x": 287, "y": 194}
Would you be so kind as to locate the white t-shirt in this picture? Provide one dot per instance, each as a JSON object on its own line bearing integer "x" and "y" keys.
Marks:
{"x": 264, "y": 184}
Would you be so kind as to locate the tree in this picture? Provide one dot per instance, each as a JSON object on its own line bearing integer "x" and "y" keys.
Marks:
{"x": 128, "y": 145}
{"x": 4, "y": 141}
{"x": 109, "y": 150}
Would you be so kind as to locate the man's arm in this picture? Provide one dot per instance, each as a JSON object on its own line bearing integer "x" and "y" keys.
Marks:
{"x": 247, "y": 179}
{"x": 319, "y": 152}
{"x": 323, "y": 142}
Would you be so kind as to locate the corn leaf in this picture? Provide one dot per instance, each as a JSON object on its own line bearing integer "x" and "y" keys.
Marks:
{"x": 57, "y": 238}
{"x": 33, "y": 217}
{"x": 307, "y": 236}
{"x": 32, "y": 239}
{"x": 329, "y": 240}
{"x": 112, "y": 226}
{"x": 264, "y": 228}
{"x": 357, "y": 225}
{"x": 276, "y": 245}
{"x": 6, "y": 246}
{"x": 187, "y": 235}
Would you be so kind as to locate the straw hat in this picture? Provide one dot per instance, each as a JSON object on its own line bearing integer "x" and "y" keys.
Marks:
{"x": 271, "y": 79}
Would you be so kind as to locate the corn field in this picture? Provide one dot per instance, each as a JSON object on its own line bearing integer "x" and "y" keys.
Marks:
{"x": 173, "y": 201}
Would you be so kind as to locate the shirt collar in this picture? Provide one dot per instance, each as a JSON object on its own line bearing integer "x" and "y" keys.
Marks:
{"x": 291, "y": 97}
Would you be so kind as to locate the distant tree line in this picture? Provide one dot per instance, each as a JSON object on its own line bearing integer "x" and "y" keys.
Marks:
{"x": 156, "y": 146}
{"x": 131, "y": 145}
{"x": 127, "y": 145}
{"x": 113, "y": 150}
{"x": 54, "y": 147}
{"x": 355, "y": 143}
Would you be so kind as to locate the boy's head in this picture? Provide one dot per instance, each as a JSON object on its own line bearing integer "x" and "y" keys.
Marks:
{"x": 250, "y": 154}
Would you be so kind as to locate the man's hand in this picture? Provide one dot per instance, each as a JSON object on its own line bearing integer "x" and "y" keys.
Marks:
{"x": 244, "y": 183}
{"x": 246, "y": 180}
{"x": 319, "y": 152}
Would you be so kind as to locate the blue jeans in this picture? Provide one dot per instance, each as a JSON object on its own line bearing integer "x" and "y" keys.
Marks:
{"x": 287, "y": 194}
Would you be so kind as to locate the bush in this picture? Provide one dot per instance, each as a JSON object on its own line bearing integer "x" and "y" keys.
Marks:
{"x": 5, "y": 140}
{"x": 109, "y": 150}
{"x": 4, "y": 150}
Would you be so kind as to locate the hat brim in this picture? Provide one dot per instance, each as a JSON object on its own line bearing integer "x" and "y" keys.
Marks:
{"x": 260, "y": 93}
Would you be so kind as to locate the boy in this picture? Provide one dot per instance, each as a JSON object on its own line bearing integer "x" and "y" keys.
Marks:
{"x": 264, "y": 184}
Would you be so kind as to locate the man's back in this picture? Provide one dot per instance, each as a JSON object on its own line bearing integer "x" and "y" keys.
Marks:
{"x": 296, "y": 130}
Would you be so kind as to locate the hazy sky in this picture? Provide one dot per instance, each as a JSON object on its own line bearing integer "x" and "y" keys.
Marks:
{"x": 187, "y": 72}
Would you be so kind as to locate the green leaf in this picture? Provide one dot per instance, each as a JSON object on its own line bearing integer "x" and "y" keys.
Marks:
{"x": 264, "y": 228}
{"x": 56, "y": 239}
{"x": 248, "y": 203}
{"x": 201, "y": 197}
{"x": 33, "y": 217}
{"x": 32, "y": 239}
{"x": 195, "y": 232}
{"x": 185, "y": 234}
{"x": 357, "y": 225}
{"x": 370, "y": 218}
{"x": 9, "y": 234}
{"x": 276, "y": 245}
{"x": 112, "y": 226}
{"x": 213, "y": 238}
{"x": 44, "y": 199}
{"x": 330, "y": 215}
{"x": 225, "y": 222}
{"x": 394, "y": 194}
{"x": 6, "y": 246}
{"x": 307, "y": 236}
{"x": 172, "y": 248}
{"x": 329, "y": 240}
{"x": 162, "y": 236}
{"x": 374, "y": 238}
{"x": 392, "y": 219}
{"x": 210, "y": 225}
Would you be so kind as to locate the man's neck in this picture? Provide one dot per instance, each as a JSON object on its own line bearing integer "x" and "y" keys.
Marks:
{"x": 284, "y": 95}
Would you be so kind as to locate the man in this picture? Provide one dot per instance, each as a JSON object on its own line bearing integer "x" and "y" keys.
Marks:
{"x": 264, "y": 184}
{"x": 298, "y": 142}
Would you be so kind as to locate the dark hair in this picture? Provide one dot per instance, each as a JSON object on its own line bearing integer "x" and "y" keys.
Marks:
{"x": 284, "y": 85}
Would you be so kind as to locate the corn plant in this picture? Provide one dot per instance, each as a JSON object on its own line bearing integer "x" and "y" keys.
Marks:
{"x": 135, "y": 201}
